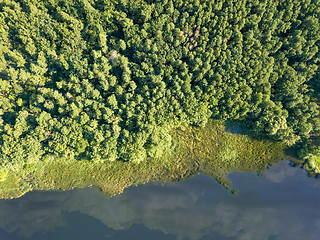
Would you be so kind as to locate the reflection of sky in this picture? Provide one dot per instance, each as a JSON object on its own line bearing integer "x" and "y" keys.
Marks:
{"x": 280, "y": 172}
{"x": 283, "y": 204}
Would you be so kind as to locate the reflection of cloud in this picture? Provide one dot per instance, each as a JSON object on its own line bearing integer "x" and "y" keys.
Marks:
{"x": 191, "y": 209}
{"x": 246, "y": 223}
{"x": 28, "y": 215}
{"x": 280, "y": 171}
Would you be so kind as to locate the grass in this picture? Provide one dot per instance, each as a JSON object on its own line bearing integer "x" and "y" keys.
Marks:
{"x": 210, "y": 150}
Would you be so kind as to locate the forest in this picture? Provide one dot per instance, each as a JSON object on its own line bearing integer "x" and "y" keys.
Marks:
{"x": 108, "y": 80}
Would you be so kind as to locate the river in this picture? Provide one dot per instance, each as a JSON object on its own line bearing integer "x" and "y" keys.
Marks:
{"x": 282, "y": 204}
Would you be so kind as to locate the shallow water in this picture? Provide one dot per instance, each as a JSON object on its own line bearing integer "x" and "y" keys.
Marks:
{"x": 282, "y": 204}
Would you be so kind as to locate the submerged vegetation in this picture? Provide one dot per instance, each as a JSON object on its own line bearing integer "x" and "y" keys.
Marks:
{"x": 103, "y": 88}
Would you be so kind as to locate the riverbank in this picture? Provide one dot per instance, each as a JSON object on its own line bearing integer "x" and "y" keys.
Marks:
{"x": 212, "y": 150}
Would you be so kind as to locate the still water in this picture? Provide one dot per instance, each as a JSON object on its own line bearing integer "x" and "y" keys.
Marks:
{"x": 282, "y": 204}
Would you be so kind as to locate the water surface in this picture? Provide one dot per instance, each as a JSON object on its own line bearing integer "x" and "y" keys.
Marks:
{"x": 282, "y": 204}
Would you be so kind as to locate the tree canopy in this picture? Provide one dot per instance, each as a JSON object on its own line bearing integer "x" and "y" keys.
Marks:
{"x": 106, "y": 80}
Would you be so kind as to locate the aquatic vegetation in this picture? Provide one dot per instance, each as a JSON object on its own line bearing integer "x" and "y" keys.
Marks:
{"x": 210, "y": 150}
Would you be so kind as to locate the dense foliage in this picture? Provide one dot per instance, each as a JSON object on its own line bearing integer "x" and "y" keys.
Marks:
{"x": 106, "y": 79}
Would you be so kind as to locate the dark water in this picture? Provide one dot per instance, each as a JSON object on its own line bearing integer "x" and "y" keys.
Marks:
{"x": 282, "y": 204}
